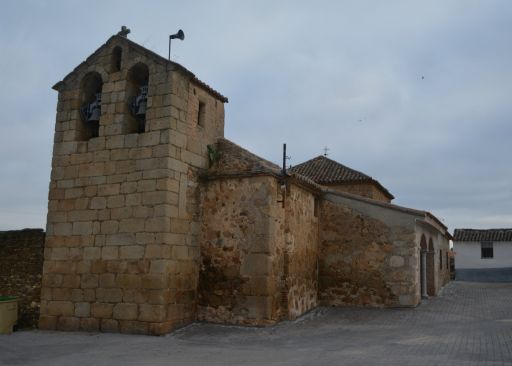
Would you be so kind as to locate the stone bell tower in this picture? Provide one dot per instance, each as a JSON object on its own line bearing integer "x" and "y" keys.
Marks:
{"x": 131, "y": 137}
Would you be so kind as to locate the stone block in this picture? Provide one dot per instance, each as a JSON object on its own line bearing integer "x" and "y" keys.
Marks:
{"x": 166, "y": 210}
{"x": 161, "y": 328}
{"x": 109, "y": 253}
{"x": 61, "y": 308}
{"x": 63, "y": 229}
{"x": 70, "y": 281}
{"x": 146, "y": 185}
{"x": 91, "y": 253}
{"x": 121, "y": 213}
{"x": 109, "y": 295}
{"x": 158, "y": 198}
{"x": 159, "y": 266}
{"x": 98, "y": 203}
{"x": 120, "y": 239}
{"x": 109, "y": 326}
{"x": 82, "y": 228}
{"x": 82, "y": 309}
{"x": 109, "y": 189}
{"x": 138, "y": 296}
{"x": 133, "y": 199}
{"x": 115, "y": 201}
{"x": 59, "y": 254}
{"x": 128, "y": 187}
{"x": 180, "y": 226}
{"x": 61, "y": 294}
{"x": 140, "y": 153}
{"x": 124, "y": 311}
{"x": 89, "y": 324}
{"x": 149, "y": 138}
{"x": 131, "y": 225}
{"x": 133, "y": 327}
{"x": 131, "y": 252}
{"x": 157, "y": 224}
{"x": 68, "y": 323}
{"x": 180, "y": 252}
{"x": 143, "y": 212}
{"x": 82, "y": 215}
{"x": 154, "y": 281}
{"x": 145, "y": 238}
{"x": 47, "y": 322}
{"x": 109, "y": 227}
{"x": 89, "y": 280}
{"x": 152, "y": 313}
{"x": 107, "y": 280}
{"x": 101, "y": 310}
{"x": 129, "y": 281}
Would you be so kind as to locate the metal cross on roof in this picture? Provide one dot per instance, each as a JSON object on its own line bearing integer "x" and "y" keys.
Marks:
{"x": 325, "y": 150}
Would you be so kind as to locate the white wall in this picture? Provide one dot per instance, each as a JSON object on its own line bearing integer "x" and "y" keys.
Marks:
{"x": 468, "y": 255}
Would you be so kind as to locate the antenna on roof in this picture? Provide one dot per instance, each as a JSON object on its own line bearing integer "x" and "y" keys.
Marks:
{"x": 325, "y": 150}
{"x": 180, "y": 35}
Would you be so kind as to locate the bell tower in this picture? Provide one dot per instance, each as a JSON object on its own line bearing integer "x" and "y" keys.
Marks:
{"x": 131, "y": 137}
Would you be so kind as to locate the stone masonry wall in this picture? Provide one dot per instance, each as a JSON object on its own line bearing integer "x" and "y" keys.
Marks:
{"x": 438, "y": 272}
{"x": 121, "y": 248}
{"x": 241, "y": 255}
{"x": 300, "y": 273}
{"x": 21, "y": 265}
{"x": 362, "y": 189}
{"x": 364, "y": 261}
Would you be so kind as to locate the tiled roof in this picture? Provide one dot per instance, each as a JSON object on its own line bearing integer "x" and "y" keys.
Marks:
{"x": 323, "y": 170}
{"x": 482, "y": 235}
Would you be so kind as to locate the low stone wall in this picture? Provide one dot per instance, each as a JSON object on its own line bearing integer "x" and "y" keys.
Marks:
{"x": 21, "y": 266}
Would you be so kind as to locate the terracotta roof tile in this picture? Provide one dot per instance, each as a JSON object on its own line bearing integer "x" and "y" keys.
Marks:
{"x": 323, "y": 170}
{"x": 482, "y": 235}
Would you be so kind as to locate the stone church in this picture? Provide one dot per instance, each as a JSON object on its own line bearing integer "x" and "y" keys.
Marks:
{"x": 155, "y": 220}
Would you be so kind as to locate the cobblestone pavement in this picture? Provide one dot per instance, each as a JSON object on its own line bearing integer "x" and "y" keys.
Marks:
{"x": 469, "y": 324}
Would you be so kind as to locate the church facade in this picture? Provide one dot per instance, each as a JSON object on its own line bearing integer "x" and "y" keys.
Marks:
{"x": 155, "y": 220}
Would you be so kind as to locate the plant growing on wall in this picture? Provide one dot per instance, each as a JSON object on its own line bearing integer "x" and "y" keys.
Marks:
{"x": 213, "y": 155}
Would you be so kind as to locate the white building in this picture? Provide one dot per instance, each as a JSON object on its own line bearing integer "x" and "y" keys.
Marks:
{"x": 478, "y": 249}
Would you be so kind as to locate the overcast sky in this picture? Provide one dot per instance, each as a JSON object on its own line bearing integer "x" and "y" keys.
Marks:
{"x": 416, "y": 94}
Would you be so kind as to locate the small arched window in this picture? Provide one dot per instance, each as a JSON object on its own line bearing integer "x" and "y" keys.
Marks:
{"x": 423, "y": 243}
{"x": 90, "y": 105}
{"x": 116, "y": 61}
{"x": 137, "y": 91}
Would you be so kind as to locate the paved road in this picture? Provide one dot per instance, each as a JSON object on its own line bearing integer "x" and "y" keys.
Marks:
{"x": 469, "y": 324}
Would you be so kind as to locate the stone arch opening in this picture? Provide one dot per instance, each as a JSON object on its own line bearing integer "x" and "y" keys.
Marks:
{"x": 116, "y": 59}
{"x": 431, "y": 290}
{"x": 137, "y": 92}
{"x": 423, "y": 266}
{"x": 90, "y": 106}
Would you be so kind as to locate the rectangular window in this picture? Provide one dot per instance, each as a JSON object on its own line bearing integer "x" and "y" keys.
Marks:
{"x": 315, "y": 207}
{"x": 447, "y": 261}
{"x": 201, "y": 111}
{"x": 440, "y": 259}
{"x": 487, "y": 249}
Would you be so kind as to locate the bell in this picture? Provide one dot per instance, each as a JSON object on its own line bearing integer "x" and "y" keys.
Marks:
{"x": 141, "y": 108}
{"x": 95, "y": 115}
{"x": 95, "y": 109}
